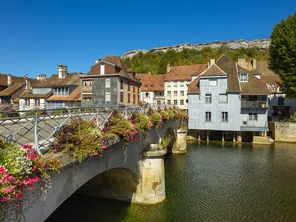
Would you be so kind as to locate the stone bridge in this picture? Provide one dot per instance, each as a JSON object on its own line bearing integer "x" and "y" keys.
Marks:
{"x": 132, "y": 172}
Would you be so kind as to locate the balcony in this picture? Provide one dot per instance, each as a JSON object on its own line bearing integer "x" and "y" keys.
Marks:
{"x": 254, "y": 104}
{"x": 158, "y": 97}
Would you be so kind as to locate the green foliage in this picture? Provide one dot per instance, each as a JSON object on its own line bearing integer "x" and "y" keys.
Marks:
{"x": 119, "y": 125}
{"x": 33, "y": 112}
{"x": 156, "y": 119}
{"x": 156, "y": 62}
{"x": 79, "y": 138}
{"x": 293, "y": 118}
{"x": 142, "y": 122}
{"x": 171, "y": 114}
{"x": 58, "y": 111}
{"x": 282, "y": 53}
{"x": 164, "y": 115}
{"x": 3, "y": 115}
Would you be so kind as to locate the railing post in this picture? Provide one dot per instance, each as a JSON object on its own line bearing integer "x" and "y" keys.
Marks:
{"x": 36, "y": 140}
{"x": 97, "y": 117}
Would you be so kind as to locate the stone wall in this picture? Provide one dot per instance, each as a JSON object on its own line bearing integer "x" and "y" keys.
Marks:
{"x": 231, "y": 45}
{"x": 283, "y": 131}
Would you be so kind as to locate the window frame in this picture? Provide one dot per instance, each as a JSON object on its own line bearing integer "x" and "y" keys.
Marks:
{"x": 213, "y": 80}
{"x": 223, "y": 94}
{"x": 107, "y": 83}
{"x": 224, "y": 117}
{"x": 208, "y": 98}
{"x": 208, "y": 117}
{"x": 253, "y": 116}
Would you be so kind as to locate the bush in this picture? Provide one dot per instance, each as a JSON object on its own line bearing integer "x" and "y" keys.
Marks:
{"x": 79, "y": 138}
{"x": 142, "y": 122}
{"x": 156, "y": 119}
{"x": 122, "y": 127}
{"x": 171, "y": 114}
{"x": 164, "y": 115}
{"x": 58, "y": 111}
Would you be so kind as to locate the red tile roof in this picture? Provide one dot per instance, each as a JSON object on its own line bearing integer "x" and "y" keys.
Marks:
{"x": 54, "y": 80}
{"x": 194, "y": 87}
{"x": 10, "y": 90}
{"x": 151, "y": 82}
{"x": 213, "y": 70}
{"x": 183, "y": 73}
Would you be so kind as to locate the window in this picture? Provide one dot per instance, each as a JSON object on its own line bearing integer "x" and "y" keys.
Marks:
{"x": 121, "y": 84}
{"x": 107, "y": 97}
{"x": 253, "y": 116}
{"x": 169, "y": 93}
{"x": 209, "y": 98}
{"x": 181, "y": 102}
{"x": 281, "y": 101}
{"x": 147, "y": 95}
{"x": 134, "y": 99}
{"x": 208, "y": 117}
{"x": 182, "y": 93}
{"x": 128, "y": 87}
{"x": 243, "y": 77}
{"x": 182, "y": 84}
{"x": 27, "y": 102}
{"x": 37, "y": 102}
{"x": 169, "y": 102}
{"x": 223, "y": 98}
{"x": 175, "y": 93}
{"x": 224, "y": 116}
{"x": 213, "y": 82}
{"x": 175, "y": 102}
{"x": 107, "y": 83}
{"x": 134, "y": 88}
{"x": 158, "y": 102}
{"x": 175, "y": 84}
{"x": 121, "y": 96}
{"x": 128, "y": 98}
{"x": 169, "y": 84}
{"x": 87, "y": 83}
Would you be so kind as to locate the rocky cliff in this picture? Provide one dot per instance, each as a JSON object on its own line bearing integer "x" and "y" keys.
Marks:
{"x": 231, "y": 45}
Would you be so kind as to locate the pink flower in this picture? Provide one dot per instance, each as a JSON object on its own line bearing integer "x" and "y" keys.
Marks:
{"x": 37, "y": 179}
{"x": 27, "y": 146}
{"x": 18, "y": 196}
{"x": 17, "y": 206}
{"x": 8, "y": 189}
{"x": 5, "y": 199}
{"x": 43, "y": 165}
{"x": 2, "y": 170}
{"x": 104, "y": 147}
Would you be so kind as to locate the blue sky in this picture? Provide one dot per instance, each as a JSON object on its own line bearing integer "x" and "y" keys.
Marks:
{"x": 36, "y": 36}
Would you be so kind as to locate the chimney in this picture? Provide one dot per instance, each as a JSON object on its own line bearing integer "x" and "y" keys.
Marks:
{"x": 212, "y": 62}
{"x": 62, "y": 71}
{"x": 242, "y": 62}
{"x": 254, "y": 63}
{"x": 168, "y": 69}
{"x": 28, "y": 82}
{"x": 9, "y": 80}
{"x": 98, "y": 60}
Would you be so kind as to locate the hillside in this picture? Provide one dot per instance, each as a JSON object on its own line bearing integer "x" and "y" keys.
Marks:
{"x": 156, "y": 59}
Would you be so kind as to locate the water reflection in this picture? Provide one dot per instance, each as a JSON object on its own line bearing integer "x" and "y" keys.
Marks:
{"x": 211, "y": 182}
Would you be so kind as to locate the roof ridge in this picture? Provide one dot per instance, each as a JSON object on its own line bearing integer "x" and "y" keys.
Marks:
{"x": 211, "y": 67}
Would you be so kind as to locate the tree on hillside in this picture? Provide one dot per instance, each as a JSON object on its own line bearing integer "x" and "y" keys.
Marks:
{"x": 282, "y": 53}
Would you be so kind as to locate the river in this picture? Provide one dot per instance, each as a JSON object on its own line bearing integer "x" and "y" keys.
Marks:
{"x": 209, "y": 183}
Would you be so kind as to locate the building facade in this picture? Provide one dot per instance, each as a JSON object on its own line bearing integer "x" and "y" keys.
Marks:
{"x": 152, "y": 88}
{"x": 110, "y": 82}
{"x": 225, "y": 97}
{"x": 176, "y": 83}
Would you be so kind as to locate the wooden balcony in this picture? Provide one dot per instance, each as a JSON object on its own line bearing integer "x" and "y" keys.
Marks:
{"x": 254, "y": 104}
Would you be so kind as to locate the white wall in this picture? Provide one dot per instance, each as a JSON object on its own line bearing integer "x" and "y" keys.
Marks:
{"x": 176, "y": 86}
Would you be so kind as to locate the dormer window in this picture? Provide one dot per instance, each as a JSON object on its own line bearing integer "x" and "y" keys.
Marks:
{"x": 243, "y": 77}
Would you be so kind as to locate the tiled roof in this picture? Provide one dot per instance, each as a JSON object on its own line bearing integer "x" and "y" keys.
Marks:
{"x": 229, "y": 66}
{"x": 213, "y": 70}
{"x": 271, "y": 79}
{"x": 117, "y": 61}
{"x": 261, "y": 67}
{"x": 75, "y": 95}
{"x": 3, "y": 79}
{"x": 28, "y": 94}
{"x": 54, "y": 80}
{"x": 194, "y": 87}
{"x": 57, "y": 97}
{"x": 254, "y": 86}
{"x": 181, "y": 73}
{"x": 151, "y": 82}
{"x": 10, "y": 90}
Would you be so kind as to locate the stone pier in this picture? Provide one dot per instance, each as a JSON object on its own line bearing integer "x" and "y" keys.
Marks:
{"x": 239, "y": 137}
{"x": 180, "y": 145}
{"x": 151, "y": 187}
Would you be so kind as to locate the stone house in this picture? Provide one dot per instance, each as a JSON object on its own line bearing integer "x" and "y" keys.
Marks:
{"x": 110, "y": 82}
{"x": 176, "y": 83}
{"x": 152, "y": 89}
{"x": 226, "y": 97}
{"x": 53, "y": 92}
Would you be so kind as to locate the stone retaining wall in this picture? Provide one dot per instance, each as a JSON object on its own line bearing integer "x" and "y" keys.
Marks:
{"x": 283, "y": 131}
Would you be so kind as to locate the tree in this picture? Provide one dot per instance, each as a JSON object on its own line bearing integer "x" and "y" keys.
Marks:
{"x": 282, "y": 54}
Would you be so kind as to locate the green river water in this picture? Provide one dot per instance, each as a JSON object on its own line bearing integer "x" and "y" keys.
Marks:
{"x": 209, "y": 183}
